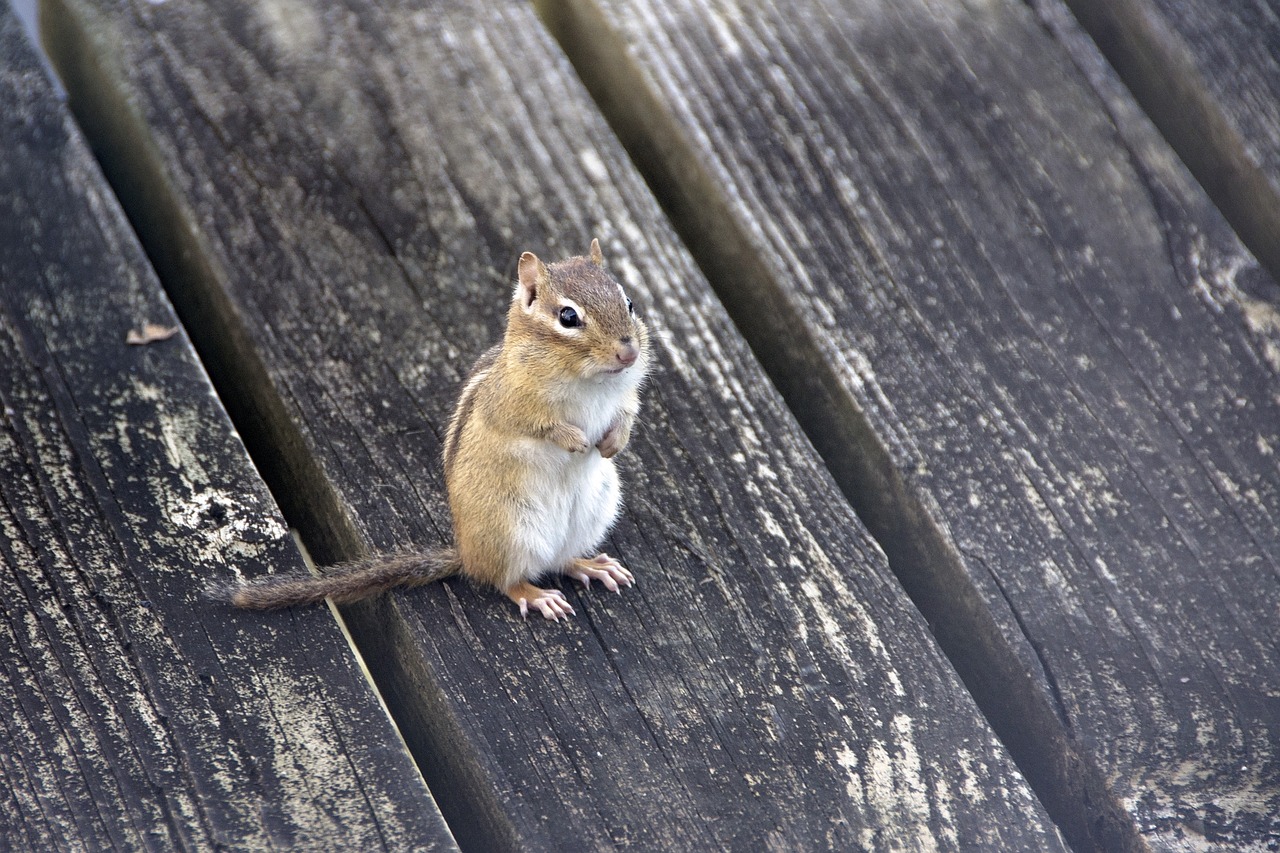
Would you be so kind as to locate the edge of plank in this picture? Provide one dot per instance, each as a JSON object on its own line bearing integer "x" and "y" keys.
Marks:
{"x": 1157, "y": 67}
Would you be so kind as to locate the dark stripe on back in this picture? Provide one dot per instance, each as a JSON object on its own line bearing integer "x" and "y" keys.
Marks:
{"x": 466, "y": 402}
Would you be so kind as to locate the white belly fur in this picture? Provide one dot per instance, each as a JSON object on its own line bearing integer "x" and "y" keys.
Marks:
{"x": 572, "y": 502}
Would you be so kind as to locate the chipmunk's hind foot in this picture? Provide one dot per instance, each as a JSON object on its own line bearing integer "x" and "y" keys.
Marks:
{"x": 551, "y": 603}
{"x": 603, "y": 568}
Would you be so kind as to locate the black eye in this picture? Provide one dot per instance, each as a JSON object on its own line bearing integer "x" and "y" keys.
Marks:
{"x": 569, "y": 318}
{"x": 631, "y": 309}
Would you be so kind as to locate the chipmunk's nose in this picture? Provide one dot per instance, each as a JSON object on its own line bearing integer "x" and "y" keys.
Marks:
{"x": 627, "y": 352}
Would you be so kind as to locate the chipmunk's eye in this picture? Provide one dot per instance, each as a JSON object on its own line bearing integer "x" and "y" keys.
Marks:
{"x": 631, "y": 309}
{"x": 569, "y": 318}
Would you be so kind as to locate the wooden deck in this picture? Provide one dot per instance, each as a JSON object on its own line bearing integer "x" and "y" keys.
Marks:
{"x": 955, "y": 503}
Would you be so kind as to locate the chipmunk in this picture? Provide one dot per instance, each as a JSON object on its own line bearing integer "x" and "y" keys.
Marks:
{"x": 528, "y": 457}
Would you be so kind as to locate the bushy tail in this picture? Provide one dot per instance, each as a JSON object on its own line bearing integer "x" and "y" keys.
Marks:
{"x": 346, "y": 582}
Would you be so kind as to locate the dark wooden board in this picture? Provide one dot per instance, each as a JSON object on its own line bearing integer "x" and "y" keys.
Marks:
{"x": 353, "y": 187}
{"x": 1208, "y": 73}
{"x": 1043, "y": 370}
{"x": 133, "y": 714}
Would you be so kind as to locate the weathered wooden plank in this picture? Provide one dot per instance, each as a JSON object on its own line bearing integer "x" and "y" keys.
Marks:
{"x": 1208, "y": 73}
{"x": 132, "y": 714}
{"x": 1043, "y": 371}
{"x": 356, "y": 220}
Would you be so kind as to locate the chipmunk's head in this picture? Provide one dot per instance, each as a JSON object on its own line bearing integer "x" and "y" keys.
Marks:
{"x": 580, "y": 318}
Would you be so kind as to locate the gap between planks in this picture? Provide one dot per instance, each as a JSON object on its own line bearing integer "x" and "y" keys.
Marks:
{"x": 1163, "y": 74}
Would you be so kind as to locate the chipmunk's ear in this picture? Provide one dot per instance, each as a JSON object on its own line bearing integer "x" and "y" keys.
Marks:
{"x": 597, "y": 257}
{"x": 533, "y": 277}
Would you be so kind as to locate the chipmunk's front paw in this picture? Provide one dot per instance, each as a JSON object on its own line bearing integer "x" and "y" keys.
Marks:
{"x": 571, "y": 438}
{"x": 551, "y": 603}
{"x": 613, "y": 441}
{"x": 603, "y": 568}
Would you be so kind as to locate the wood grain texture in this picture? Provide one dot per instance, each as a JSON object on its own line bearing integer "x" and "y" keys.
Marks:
{"x": 354, "y": 184}
{"x": 1208, "y": 73}
{"x": 1039, "y": 365}
{"x": 134, "y": 714}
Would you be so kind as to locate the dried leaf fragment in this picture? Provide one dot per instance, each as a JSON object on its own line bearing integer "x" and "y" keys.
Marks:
{"x": 151, "y": 332}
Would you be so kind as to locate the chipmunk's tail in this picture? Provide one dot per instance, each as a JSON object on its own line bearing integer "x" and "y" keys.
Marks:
{"x": 346, "y": 582}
